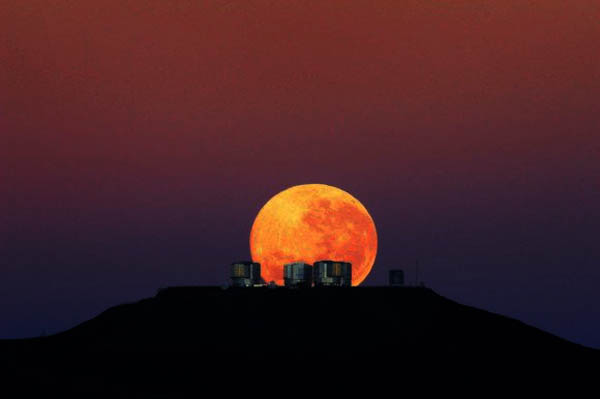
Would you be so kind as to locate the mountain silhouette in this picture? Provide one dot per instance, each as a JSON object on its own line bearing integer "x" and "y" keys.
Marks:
{"x": 158, "y": 343}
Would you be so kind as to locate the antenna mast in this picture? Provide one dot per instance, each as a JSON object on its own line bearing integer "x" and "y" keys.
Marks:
{"x": 417, "y": 272}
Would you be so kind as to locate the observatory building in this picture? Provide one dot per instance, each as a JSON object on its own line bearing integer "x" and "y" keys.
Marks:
{"x": 246, "y": 274}
{"x": 297, "y": 274}
{"x": 329, "y": 273}
{"x": 396, "y": 278}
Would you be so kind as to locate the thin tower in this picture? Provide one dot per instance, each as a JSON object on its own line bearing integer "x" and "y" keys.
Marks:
{"x": 417, "y": 273}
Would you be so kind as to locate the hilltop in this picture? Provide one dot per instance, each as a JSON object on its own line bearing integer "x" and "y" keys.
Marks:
{"x": 224, "y": 327}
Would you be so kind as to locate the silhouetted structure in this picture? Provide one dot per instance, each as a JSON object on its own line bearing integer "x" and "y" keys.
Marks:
{"x": 155, "y": 346}
{"x": 298, "y": 274}
{"x": 246, "y": 274}
{"x": 329, "y": 273}
{"x": 396, "y": 278}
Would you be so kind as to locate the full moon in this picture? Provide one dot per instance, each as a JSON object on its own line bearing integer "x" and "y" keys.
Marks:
{"x": 313, "y": 222}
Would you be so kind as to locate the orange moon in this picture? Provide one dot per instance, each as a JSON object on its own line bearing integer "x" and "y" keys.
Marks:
{"x": 313, "y": 222}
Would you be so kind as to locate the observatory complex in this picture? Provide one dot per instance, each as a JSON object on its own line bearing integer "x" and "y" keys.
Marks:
{"x": 324, "y": 273}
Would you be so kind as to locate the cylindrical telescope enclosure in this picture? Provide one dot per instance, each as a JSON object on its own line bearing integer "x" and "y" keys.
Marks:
{"x": 297, "y": 274}
{"x": 396, "y": 278}
{"x": 329, "y": 273}
{"x": 245, "y": 274}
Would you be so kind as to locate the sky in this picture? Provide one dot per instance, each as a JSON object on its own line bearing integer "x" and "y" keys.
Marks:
{"x": 140, "y": 138}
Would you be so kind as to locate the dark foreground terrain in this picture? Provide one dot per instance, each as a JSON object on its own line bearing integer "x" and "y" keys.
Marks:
{"x": 186, "y": 336}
